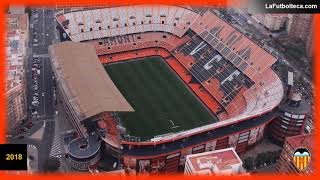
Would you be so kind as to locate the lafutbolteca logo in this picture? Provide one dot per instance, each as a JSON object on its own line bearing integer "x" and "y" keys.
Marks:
{"x": 301, "y": 158}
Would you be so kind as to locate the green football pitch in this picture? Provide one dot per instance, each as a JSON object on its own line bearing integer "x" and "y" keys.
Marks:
{"x": 161, "y": 101}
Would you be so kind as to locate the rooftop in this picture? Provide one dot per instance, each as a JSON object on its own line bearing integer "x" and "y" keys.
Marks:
{"x": 17, "y": 9}
{"x": 17, "y": 21}
{"x": 303, "y": 140}
{"x": 214, "y": 162}
{"x": 84, "y": 80}
{"x": 16, "y": 41}
{"x": 84, "y": 147}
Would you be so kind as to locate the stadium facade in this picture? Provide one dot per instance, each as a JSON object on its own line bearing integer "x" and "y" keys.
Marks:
{"x": 227, "y": 71}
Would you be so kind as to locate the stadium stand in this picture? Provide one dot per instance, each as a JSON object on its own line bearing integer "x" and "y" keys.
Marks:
{"x": 227, "y": 64}
{"x": 227, "y": 71}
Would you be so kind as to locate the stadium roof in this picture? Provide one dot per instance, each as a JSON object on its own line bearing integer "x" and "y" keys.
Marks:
{"x": 84, "y": 80}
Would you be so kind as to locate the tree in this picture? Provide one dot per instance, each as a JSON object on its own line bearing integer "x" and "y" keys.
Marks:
{"x": 52, "y": 164}
{"x": 248, "y": 163}
{"x": 261, "y": 159}
{"x": 268, "y": 158}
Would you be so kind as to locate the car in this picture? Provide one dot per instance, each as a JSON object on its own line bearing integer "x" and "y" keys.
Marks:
{"x": 42, "y": 94}
{"x": 35, "y": 103}
{"x": 29, "y": 125}
{"x": 31, "y": 157}
{"x": 8, "y": 136}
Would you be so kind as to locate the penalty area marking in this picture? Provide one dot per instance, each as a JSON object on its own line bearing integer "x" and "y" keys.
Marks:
{"x": 173, "y": 126}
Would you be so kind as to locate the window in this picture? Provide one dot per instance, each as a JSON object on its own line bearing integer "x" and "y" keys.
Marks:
{"x": 133, "y": 23}
{"x": 162, "y": 22}
{"x": 99, "y": 28}
{"x": 149, "y": 21}
{"x": 108, "y": 27}
{"x": 81, "y": 30}
{"x": 141, "y": 22}
{"x": 90, "y": 29}
{"x": 174, "y": 24}
{"x": 138, "y": 37}
{"x": 125, "y": 24}
{"x": 164, "y": 36}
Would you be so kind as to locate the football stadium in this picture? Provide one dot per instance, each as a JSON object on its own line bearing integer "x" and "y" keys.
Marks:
{"x": 155, "y": 83}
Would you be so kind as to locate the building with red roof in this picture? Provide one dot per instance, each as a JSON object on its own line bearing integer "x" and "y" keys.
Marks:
{"x": 219, "y": 162}
{"x": 286, "y": 161}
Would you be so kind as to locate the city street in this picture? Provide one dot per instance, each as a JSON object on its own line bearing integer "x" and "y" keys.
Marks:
{"x": 40, "y": 102}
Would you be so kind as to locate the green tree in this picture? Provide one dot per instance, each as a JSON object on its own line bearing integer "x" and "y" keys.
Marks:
{"x": 261, "y": 159}
{"x": 248, "y": 163}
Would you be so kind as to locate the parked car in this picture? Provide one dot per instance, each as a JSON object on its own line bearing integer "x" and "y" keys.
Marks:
{"x": 29, "y": 125}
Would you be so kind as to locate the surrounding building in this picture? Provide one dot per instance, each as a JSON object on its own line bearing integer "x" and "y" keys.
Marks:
{"x": 292, "y": 121}
{"x": 16, "y": 9}
{"x": 273, "y": 22}
{"x": 84, "y": 153}
{"x": 219, "y": 162}
{"x": 301, "y": 26}
{"x": 286, "y": 162}
{"x": 16, "y": 51}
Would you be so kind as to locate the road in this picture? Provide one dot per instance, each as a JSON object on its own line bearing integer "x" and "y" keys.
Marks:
{"x": 42, "y": 34}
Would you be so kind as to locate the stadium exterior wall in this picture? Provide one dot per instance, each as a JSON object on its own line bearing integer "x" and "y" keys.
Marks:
{"x": 174, "y": 161}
